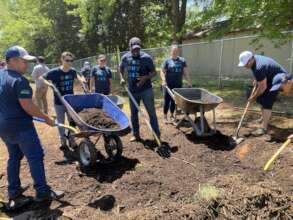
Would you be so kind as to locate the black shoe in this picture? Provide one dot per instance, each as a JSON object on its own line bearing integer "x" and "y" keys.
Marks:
{"x": 23, "y": 188}
{"x": 64, "y": 148}
{"x": 52, "y": 195}
{"x": 18, "y": 202}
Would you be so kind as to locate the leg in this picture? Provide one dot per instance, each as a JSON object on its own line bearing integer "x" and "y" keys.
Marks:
{"x": 13, "y": 165}
{"x": 167, "y": 100}
{"x": 60, "y": 113}
{"x": 172, "y": 107}
{"x": 148, "y": 101}
{"x": 266, "y": 116}
{"x": 31, "y": 147}
{"x": 134, "y": 115}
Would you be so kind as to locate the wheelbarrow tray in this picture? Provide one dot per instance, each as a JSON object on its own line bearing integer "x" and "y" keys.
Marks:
{"x": 118, "y": 100}
{"x": 76, "y": 103}
{"x": 191, "y": 99}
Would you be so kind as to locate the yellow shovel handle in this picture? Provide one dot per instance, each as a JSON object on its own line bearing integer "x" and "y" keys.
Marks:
{"x": 276, "y": 154}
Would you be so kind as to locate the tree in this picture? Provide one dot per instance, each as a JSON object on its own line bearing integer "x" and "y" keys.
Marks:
{"x": 266, "y": 18}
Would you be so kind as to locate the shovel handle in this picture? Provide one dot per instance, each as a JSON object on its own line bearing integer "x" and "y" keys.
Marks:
{"x": 57, "y": 124}
{"x": 243, "y": 115}
{"x": 276, "y": 154}
{"x": 144, "y": 116}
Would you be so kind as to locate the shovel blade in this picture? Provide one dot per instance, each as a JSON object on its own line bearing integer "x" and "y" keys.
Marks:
{"x": 237, "y": 140}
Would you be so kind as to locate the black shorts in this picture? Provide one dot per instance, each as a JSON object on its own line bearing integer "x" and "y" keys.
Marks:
{"x": 267, "y": 99}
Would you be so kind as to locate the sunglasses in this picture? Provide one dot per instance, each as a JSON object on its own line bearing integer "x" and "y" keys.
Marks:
{"x": 68, "y": 61}
{"x": 103, "y": 60}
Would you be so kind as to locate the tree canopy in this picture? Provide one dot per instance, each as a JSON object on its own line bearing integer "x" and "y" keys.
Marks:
{"x": 88, "y": 27}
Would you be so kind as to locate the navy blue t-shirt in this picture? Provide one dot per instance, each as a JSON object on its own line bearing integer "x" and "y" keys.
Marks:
{"x": 86, "y": 72}
{"x": 266, "y": 67}
{"x": 102, "y": 78}
{"x": 174, "y": 71}
{"x": 137, "y": 66}
{"x": 13, "y": 86}
{"x": 62, "y": 80}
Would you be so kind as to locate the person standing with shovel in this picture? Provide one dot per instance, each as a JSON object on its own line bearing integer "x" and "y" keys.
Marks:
{"x": 264, "y": 70}
{"x": 139, "y": 69}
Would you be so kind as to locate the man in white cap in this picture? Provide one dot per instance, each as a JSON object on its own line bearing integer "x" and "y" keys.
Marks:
{"x": 264, "y": 70}
{"x": 17, "y": 130}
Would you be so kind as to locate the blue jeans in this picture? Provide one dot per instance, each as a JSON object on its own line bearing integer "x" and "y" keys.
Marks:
{"x": 25, "y": 143}
{"x": 147, "y": 97}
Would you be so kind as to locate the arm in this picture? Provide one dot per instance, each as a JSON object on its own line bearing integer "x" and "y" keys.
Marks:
{"x": 30, "y": 108}
{"x": 121, "y": 73}
{"x": 186, "y": 75}
{"x": 261, "y": 87}
{"x": 163, "y": 76}
{"x": 92, "y": 80}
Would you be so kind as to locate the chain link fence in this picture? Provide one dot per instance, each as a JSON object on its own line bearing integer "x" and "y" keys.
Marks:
{"x": 213, "y": 65}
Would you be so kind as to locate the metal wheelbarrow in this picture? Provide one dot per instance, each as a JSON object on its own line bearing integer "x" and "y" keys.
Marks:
{"x": 193, "y": 101}
{"x": 87, "y": 137}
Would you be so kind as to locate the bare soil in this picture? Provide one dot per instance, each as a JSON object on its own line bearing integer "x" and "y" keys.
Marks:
{"x": 142, "y": 185}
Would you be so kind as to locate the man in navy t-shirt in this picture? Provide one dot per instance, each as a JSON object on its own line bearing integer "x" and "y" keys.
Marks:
{"x": 138, "y": 68}
{"x": 63, "y": 79}
{"x": 264, "y": 70}
{"x": 101, "y": 76}
{"x": 17, "y": 129}
{"x": 172, "y": 72}
{"x": 86, "y": 72}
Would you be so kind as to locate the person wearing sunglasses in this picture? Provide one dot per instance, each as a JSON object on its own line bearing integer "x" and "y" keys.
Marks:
{"x": 101, "y": 76}
{"x": 18, "y": 132}
{"x": 63, "y": 78}
{"x": 138, "y": 68}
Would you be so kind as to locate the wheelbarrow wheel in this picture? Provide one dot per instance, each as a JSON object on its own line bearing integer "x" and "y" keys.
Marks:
{"x": 113, "y": 147}
{"x": 87, "y": 153}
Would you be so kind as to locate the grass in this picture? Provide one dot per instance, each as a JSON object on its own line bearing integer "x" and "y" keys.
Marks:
{"x": 208, "y": 193}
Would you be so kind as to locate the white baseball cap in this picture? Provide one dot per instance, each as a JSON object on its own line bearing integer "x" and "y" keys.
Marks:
{"x": 244, "y": 57}
{"x": 17, "y": 51}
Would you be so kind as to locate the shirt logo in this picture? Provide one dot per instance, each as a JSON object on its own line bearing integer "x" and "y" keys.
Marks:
{"x": 25, "y": 92}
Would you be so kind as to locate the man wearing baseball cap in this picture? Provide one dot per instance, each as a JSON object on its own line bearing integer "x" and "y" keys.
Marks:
{"x": 139, "y": 68}
{"x": 17, "y": 129}
{"x": 264, "y": 70}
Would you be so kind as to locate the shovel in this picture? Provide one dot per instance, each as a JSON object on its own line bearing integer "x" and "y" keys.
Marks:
{"x": 270, "y": 161}
{"x": 235, "y": 137}
{"x": 161, "y": 150}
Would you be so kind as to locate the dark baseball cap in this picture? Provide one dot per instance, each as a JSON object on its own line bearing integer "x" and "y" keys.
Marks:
{"x": 17, "y": 51}
{"x": 134, "y": 43}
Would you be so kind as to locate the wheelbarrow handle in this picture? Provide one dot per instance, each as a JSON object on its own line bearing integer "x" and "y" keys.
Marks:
{"x": 170, "y": 92}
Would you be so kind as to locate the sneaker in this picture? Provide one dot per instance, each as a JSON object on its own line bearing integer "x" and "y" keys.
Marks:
{"x": 259, "y": 132}
{"x": 135, "y": 138}
{"x": 52, "y": 195}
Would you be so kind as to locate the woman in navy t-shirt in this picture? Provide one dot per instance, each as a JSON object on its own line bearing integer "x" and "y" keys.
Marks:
{"x": 172, "y": 72}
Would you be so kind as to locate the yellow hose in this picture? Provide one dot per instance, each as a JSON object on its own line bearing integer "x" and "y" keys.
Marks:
{"x": 276, "y": 154}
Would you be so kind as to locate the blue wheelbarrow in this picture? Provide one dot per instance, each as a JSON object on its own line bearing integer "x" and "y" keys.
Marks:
{"x": 85, "y": 140}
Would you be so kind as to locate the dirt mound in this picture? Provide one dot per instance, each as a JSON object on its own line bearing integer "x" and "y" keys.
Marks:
{"x": 263, "y": 200}
{"x": 97, "y": 118}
